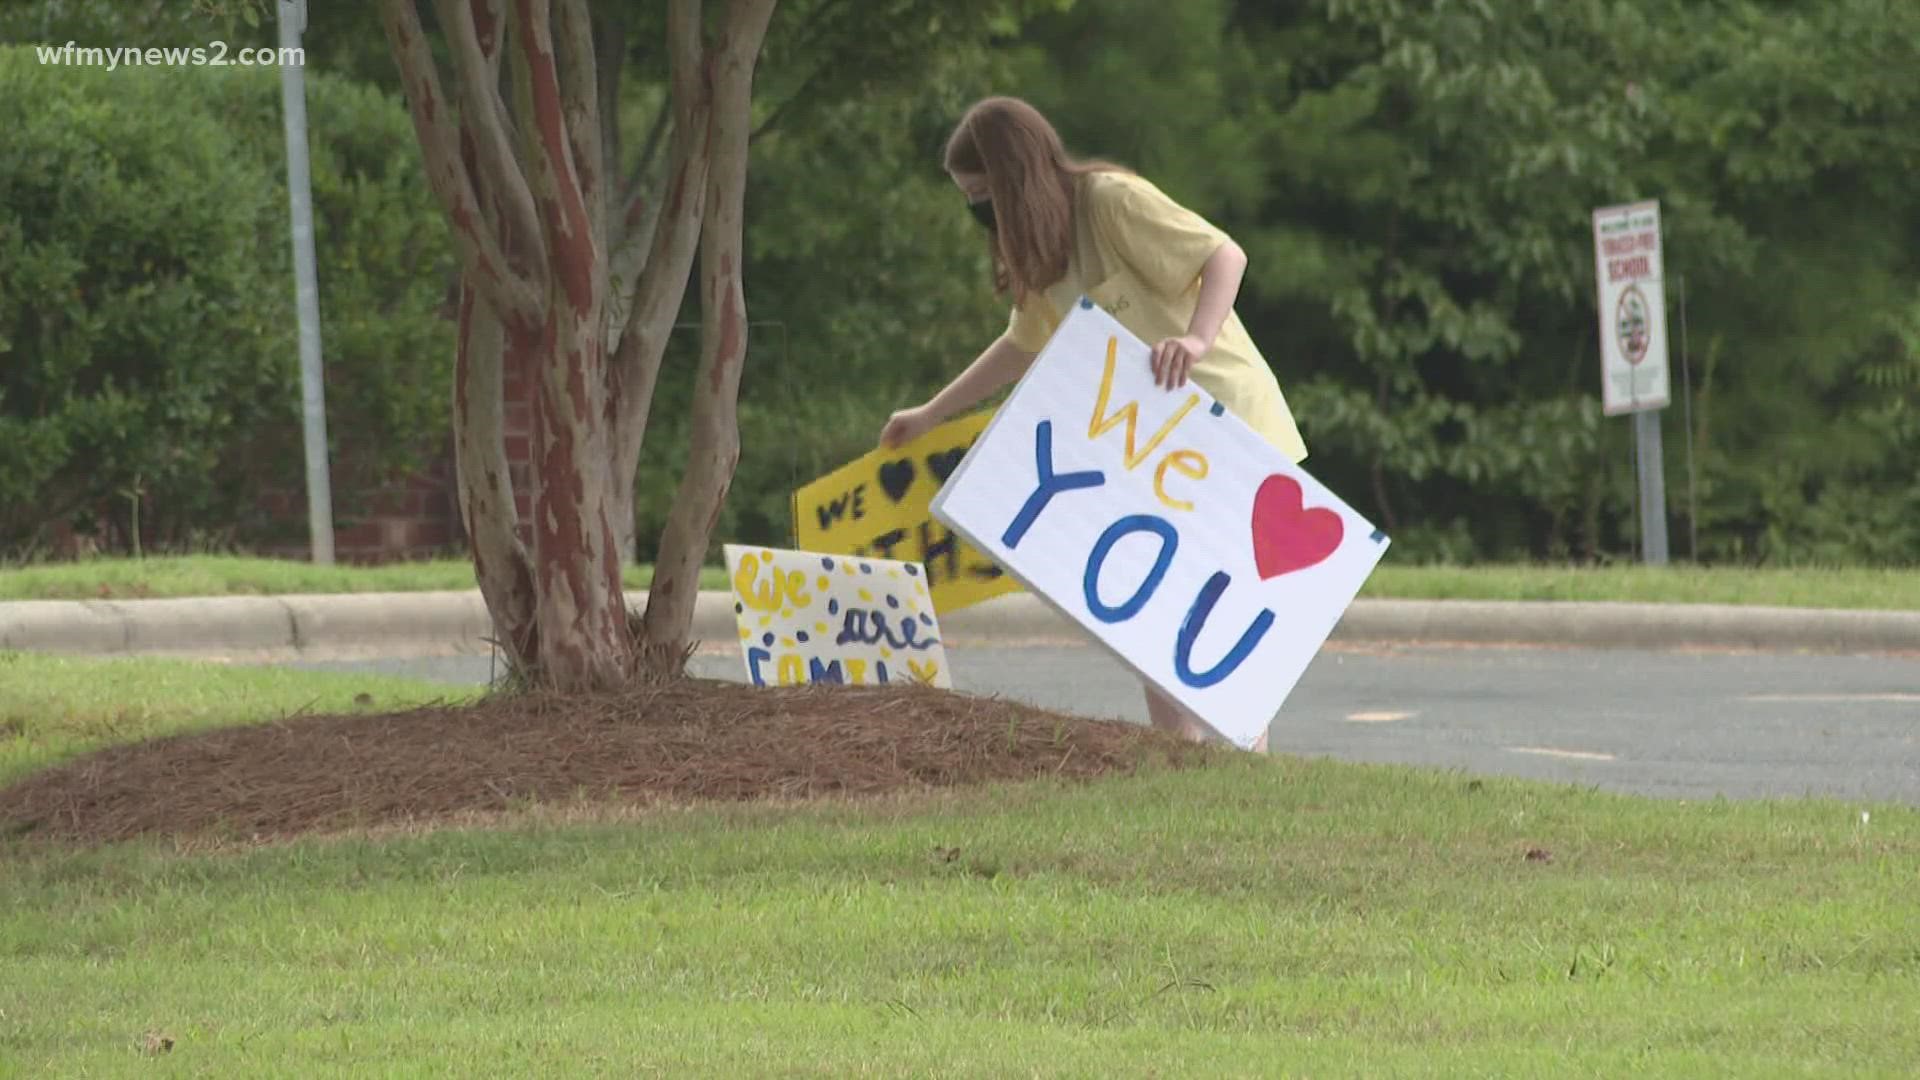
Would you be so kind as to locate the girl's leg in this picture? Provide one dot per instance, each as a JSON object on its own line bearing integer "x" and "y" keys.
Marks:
{"x": 1167, "y": 715}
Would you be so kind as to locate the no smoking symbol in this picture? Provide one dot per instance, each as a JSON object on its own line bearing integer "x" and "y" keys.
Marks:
{"x": 1632, "y": 325}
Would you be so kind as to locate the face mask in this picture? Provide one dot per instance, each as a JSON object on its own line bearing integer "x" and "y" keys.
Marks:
{"x": 983, "y": 211}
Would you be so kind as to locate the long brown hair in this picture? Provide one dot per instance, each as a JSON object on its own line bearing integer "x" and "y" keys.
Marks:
{"x": 1031, "y": 178}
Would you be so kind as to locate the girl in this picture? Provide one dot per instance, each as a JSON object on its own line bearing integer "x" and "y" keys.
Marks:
{"x": 1060, "y": 229}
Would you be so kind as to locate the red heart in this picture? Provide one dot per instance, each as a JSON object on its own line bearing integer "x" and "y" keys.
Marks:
{"x": 1286, "y": 535}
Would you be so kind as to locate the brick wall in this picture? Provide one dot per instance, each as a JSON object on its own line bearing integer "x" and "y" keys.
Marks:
{"x": 419, "y": 517}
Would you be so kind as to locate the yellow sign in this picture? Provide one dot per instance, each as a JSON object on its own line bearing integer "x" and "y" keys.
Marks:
{"x": 878, "y": 505}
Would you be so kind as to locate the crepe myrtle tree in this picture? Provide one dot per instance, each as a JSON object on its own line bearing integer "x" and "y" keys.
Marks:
{"x": 571, "y": 278}
{"x": 573, "y": 270}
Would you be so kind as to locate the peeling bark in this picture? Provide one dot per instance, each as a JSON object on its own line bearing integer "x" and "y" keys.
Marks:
{"x": 633, "y": 379}
{"x": 510, "y": 294}
{"x": 578, "y": 74}
{"x": 584, "y": 641}
{"x": 474, "y": 32}
{"x": 715, "y": 440}
{"x": 541, "y": 228}
{"x": 500, "y": 561}
{"x": 473, "y": 173}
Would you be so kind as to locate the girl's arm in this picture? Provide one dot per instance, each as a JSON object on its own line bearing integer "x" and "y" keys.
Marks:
{"x": 1000, "y": 364}
{"x": 1219, "y": 287}
{"x": 1174, "y": 358}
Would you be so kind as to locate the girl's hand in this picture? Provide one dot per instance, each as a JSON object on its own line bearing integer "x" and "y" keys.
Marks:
{"x": 905, "y": 426}
{"x": 1173, "y": 360}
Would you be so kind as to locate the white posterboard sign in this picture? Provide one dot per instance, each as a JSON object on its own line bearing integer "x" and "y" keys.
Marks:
{"x": 1632, "y": 307}
{"x": 809, "y": 618}
{"x": 1164, "y": 525}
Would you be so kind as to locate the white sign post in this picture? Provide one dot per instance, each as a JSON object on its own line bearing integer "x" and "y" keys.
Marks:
{"x": 1162, "y": 524}
{"x": 1630, "y": 283}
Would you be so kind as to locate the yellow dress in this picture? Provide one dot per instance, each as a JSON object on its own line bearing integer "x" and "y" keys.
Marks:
{"x": 1138, "y": 254}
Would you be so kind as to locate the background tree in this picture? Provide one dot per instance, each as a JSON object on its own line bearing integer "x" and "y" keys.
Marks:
{"x": 1413, "y": 182}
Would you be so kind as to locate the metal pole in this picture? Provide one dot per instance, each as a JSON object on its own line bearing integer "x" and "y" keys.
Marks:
{"x": 313, "y": 408}
{"x": 1686, "y": 383}
{"x": 1639, "y": 501}
{"x": 1653, "y": 487}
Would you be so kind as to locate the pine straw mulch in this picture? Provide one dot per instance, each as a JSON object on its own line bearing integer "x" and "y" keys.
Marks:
{"x": 679, "y": 742}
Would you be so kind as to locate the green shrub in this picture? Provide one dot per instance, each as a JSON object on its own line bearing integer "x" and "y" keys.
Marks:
{"x": 148, "y": 350}
{"x": 135, "y": 335}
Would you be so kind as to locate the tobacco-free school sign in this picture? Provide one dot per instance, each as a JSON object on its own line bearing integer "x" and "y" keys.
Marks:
{"x": 1163, "y": 524}
{"x": 877, "y": 506}
{"x": 1630, "y": 281}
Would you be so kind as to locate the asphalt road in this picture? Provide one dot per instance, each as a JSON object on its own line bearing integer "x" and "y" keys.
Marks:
{"x": 1683, "y": 725}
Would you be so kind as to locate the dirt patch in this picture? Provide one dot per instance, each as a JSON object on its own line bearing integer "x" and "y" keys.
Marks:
{"x": 685, "y": 741}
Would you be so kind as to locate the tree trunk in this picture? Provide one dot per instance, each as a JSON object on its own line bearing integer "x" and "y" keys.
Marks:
{"x": 472, "y": 172}
{"x": 666, "y": 233}
{"x": 534, "y": 202}
{"x": 500, "y": 561}
{"x": 715, "y": 439}
{"x": 584, "y": 641}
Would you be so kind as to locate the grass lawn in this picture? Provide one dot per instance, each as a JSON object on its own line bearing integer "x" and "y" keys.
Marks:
{"x": 53, "y": 707}
{"x": 1259, "y": 918}
{"x": 221, "y": 576}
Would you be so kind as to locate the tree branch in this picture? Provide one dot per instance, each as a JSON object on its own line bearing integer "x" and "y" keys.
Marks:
{"x": 636, "y": 185}
{"x": 510, "y": 293}
{"x": 803, "y": 40}
{"x": 580, "y": 104}
{"x": 610, "y": 45}
{"x": 572, "y": 241}
{"x": 803, "y": 37}
{"x": 474, "y": 30}
{"x": 780, "y": 110}
{"x": 649, "y": 294}
{"x": 484, "y": 479}
{"x": 639, "y": 218}
{"x": 714, "y": 451}
{"x": 628, "y": 267}
{"x": 638, "y": 342}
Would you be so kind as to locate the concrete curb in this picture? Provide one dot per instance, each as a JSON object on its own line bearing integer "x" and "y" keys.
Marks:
{"x": 440, "y": 623}
{"x": 344, "y": 625}
{"x": 1634, "y": 626}
{"x": 384, "y": 623}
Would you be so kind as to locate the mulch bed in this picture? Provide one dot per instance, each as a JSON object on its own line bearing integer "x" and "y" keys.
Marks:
{"x": 678, "y": 742}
